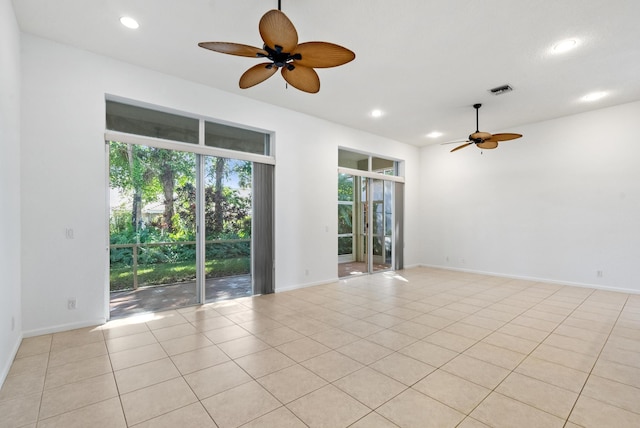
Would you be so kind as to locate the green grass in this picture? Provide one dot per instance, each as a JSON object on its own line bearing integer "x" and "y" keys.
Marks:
{"x": 121, "y": 278}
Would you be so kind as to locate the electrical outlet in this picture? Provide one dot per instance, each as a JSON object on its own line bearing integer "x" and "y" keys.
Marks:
{"x": 13, "y": 323}
{"x": 599, "y": 274}
{"x": 68, "y": 233}
{"x": 72, "y": 303}
{"x": 306, "y": 272}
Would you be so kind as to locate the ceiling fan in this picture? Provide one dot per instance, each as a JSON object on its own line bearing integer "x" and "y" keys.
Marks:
{"x": 282, "y": 51}
{"x": 484, "y": 140}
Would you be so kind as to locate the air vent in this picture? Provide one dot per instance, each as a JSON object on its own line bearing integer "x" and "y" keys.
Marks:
{"x": 501, "y": 90}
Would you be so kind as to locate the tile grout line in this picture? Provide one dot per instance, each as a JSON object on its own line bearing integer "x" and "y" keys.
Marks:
{"x": 597, "y": 359}
{"x": 44, "y": 382}
{"x": 528, "y": 355}
{"x": 113, "y": 372}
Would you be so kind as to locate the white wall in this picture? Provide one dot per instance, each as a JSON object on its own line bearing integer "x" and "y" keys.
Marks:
{"x": 559, "y": 204}
{"x": 64, "y": 180}
{"x": 10, "y": 314}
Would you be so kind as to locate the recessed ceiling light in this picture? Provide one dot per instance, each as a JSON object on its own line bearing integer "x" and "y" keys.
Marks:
{"x": 434, "y": 134}
{"x": 564, "y": 46}
{"x": 376, "y": 113}
{"x": 594, "y": 96}
{"x": 129, "y": 22}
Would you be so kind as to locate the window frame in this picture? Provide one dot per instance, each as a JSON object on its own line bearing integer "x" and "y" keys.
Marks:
{"x": 200, "y": 148}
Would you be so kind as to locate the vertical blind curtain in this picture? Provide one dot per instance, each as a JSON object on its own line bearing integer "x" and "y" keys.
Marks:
{"x": 398, "y": 263}
{"x": 263, "y": 235}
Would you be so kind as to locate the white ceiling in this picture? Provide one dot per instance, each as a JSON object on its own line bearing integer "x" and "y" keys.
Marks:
{"x": 423, "y": 63}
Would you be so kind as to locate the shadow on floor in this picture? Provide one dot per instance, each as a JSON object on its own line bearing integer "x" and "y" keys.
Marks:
{"x": 165, "y": 297}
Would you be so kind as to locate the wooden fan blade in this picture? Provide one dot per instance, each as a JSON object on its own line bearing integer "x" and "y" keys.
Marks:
{"x": 304, "y": 78}
{"x": 234, "y": 49}
{"x": 454, "y": 142}
{"x": 488, "y": 144}
{"x": 323, "y": 55}
{"x": 277, "y": 30}
{"x": 504, "y": 137}
{"x": 257, "y": 74}
{"x": 462, "y": 146}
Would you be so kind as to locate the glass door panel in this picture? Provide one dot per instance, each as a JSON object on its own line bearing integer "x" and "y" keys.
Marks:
{"x": 152, "y": 229}
{"x": 227, "y": 224}
{"x": 362, "y": 254}
{"x": 345, "y": 232}
{"x": 346, "y": 225}
{"x": 365, "y": 225}
{"x": 381, "y": 225}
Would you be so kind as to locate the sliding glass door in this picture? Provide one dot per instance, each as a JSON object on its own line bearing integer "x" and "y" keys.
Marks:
{"x": 365, "y": 225}
{"x": 179, "y": 223}
{"x": 370, "y": 213}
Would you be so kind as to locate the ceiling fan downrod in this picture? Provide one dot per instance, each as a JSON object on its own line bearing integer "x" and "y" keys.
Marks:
{"x": 477, "y": 107}
{"x": 279, "y": 5}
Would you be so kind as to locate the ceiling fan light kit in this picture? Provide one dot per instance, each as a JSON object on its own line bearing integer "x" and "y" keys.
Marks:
{"x": 296, "y": 61}
{"x": 485, "y": 140}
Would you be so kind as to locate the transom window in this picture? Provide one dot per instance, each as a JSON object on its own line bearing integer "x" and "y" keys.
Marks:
{"x": 364, "y": 162}
{"x": 162, "y": 125}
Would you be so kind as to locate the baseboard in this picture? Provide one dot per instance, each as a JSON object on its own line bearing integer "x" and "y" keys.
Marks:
{"x": 63, "y": 327}
{"x": 536, "y": 279}
{"x": 306, "y": 285}
{"x": 412, "y": 266}
{"x": 12, "y": 356}
{"x": 479, "y": 272}
{"x": 329, "y": 281}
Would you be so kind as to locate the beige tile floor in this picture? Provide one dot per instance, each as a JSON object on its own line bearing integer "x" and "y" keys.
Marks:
{"x": 416, "y": 348}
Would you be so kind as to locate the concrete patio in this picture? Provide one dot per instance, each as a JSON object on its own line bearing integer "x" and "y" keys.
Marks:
{"x": 163, "y": 297}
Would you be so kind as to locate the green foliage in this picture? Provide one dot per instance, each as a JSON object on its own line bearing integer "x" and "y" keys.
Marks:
{"x": 132, "y": 170}
{"x": 345, "y": 187}
{"x": 171, "y": 273}
{"x": 345, "y": 245}
{"x": 236, "y": 209}
{"x": 227, "y": 250}
{"x": 346, "y": 192}
{"x": 345, "y": 219}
